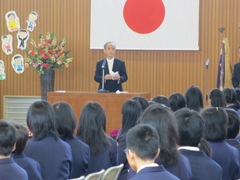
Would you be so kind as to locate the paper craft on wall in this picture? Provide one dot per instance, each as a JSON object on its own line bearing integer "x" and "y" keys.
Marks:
{"x": 18, "y": 63}
{"x": 7, "y": 44}
{"x": 2, "y": 71}
{"x": 12, "y": 21}
{"x": 22, "y": 37}
{"x": 31, "y": 20}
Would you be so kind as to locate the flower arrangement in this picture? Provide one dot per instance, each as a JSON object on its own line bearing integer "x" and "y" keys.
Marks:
{"x": 48, "y": 54}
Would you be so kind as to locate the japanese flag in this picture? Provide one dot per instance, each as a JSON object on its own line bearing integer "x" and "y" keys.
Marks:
{"x": 145, "y": 24}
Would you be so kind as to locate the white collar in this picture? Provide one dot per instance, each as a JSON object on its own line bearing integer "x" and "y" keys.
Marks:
{"x": 191, "y": 148}
{"x": 110, "y": 60}
{"x": 147, "y": 165}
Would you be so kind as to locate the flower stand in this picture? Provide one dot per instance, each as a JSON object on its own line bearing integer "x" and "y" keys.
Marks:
{"x": 47, "y": 83}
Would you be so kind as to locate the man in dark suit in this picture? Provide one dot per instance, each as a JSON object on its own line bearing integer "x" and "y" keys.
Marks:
{"x": 114, "y": 70}
{"x": 142, "y": 150}
{"x": 236, "y": 72}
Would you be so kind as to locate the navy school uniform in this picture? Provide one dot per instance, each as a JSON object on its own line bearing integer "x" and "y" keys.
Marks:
{"x": 9, "y": 170}
{"x": 104, "y": 159}
{"x": 181, "y": 169}
{"x": 54, "y": 157}
{"x": 80, "y": 157}
{"x": 203, "y": 167}
{"x": 154, "y": 173}
{"x": 31, "y": 166}
{"x": 227, "y": 157}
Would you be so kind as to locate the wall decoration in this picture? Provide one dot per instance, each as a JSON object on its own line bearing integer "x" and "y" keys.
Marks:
{"x": 22, "y": 37}
{"x": 18, "y": 63}
{"x": 7, "y": 44}
{"x": 12, "y": 21}
{"x": 2, "y": 70}
{"x": 31, "y": 20}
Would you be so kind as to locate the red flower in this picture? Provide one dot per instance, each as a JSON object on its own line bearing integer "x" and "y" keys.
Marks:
{"x": 49, "y": 40}
{"x": 60, "y": 53}
{"x": 45, "y": 57}
{"x": 50, "y": 51}
{"x": 32, "y": 53}
{"x": 46, "y": 65}
{"x": 41, "y": 51}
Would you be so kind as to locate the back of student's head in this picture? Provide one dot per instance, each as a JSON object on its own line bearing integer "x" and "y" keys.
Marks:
{"x": 161, "y": 99}
{"x": 162, "y": 118}
{"x": 143, "y": 141}
{"x": 7, "y": 138}
{"x": 190, "y": 127}
{"x": 41, "y": 120}
{"x": 230, "y": 95}
{"x": 233, "y": 123}
{"x": 92, "y": 125}
{"x": 215, "y": 123}
{"x": 176, "y": 101}
{"x": 21, "y": 138}
{"x": 131, "y": 111}
{"x": 217, "y": 98}
{"x": 194, "y": 98}
{"x": 143, "y": 101}
{"x": 65, "y": 119}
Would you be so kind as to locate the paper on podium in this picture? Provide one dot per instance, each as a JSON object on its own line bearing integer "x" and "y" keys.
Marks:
{"x": 121, "y": 92}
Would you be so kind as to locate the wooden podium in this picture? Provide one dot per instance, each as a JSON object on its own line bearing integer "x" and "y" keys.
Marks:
{"x": 111, "y": 102}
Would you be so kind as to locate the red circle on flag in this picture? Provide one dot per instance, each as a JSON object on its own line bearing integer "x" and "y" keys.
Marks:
{"x": 144, "y": 16}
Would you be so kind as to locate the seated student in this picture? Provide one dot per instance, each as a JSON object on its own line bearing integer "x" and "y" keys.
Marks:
{"x": 53, "y": 154}
{"x": 9, "y": 170}
{"x": 194, "y": 98}
{"x": 233, "y": 128}
{"x": 142, "y": 150}
{"x": 143, "y": 102}
{"x": 215, "y": 131}
{"x": 217, "y": 98}
{"x": 91, "y": 130}
{"x": 190, "y": 126}
{"x": 31, "y": 166}
{"x": 161, "y": 99}
{"x": 66, "y": 124}
{"x": 131, "y": 111}
{"x": 230, "y": 97}
{"x": 162, "y": 118}
{"x": 176, "y": 101}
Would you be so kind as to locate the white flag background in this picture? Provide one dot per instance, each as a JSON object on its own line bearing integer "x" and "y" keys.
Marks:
{"x": 145, "y": 24}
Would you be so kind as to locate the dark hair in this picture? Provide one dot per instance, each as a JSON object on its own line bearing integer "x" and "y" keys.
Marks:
{"x": 215, "y": 123}
{"x": 161, "y": 99}
{"x": 237, "y": 102}
{"x": 176, "y": 101}
{"x": 7, "y": 138}
{"x": 143, "y": 140}
{"x": 190, "y": 127}
{"x": 131, "y": 111}
{"x": 233, "y": 123}
{"x": 230, "y": 95}
{"x": 194, "y": 98}
{"x": 41, "y": 120}
{"x": 143, "y": 102}
{"x": 21, "y": 138}
{"x": 217, "y": 98}
{"x": 162, "y": 118}
{"x": 91, "y": 127}
{"x": 65, "y": 119}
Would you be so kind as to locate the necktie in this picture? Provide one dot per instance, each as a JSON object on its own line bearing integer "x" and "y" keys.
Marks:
{"x": 110, "y": 66}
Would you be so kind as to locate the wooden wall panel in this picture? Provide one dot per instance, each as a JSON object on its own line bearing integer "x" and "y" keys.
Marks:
{"x": 157, "y": 72}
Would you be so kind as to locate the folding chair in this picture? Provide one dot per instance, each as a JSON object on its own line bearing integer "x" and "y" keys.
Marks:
{"x": 112, "y": 172}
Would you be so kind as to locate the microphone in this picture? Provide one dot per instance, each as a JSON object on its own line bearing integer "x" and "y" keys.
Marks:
{"x": 207, "y": 62}
{"x": 104, "y": 63}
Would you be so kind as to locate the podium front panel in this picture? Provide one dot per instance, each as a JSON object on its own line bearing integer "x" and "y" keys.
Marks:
{"x": 111, "y": 102}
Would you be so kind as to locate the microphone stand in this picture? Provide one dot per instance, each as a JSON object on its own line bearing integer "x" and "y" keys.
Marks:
{"x": 206, "y": 65}
{"x": 103, "y": 90}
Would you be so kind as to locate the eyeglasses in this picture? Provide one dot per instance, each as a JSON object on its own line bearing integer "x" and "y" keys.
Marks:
{"x": 126, "y": 150}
